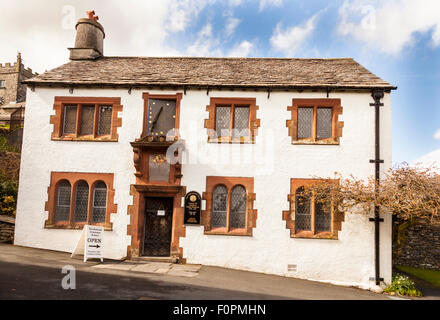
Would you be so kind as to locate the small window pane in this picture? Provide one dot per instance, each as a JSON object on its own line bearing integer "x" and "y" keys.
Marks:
{"x": 99, "y": 202}
{"x": 305, "y": 123}
{"x": 303, "y": 217}
{"x": 104, "y": 120}
{"x": 87, "y": 119}
{"x": 219, "y": 206}
{"x": 62, "y": 210}
{"x": 237, "y": 218}
{"x": 81, "y": 201}
{"x": 159, "y": 168}
{"x": 222, "y": 120}
{"x": 324, "y": 126}
{"x": 69, "y": 119}
{"x": 241, "y": 122}
{"x": 2, "y": 83}
{"x": 322, "y": 216}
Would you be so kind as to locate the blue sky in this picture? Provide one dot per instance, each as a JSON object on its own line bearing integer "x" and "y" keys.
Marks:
{"x": 399, "y": 40}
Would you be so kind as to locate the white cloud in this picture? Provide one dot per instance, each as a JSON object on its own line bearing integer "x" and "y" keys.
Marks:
{"x": 244, "y": 49}
{"x": 437, "y": 135}
{"x": 390, "y": 25}
{"x": 428, "y": 160}
{"x": 231, "y": 24}
{"x": 266, "y": 3}
{"x": 133, "y": 28}
{"x": 289, "y": 40}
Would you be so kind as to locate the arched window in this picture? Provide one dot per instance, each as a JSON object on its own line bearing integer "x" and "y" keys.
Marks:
{"x": 99, "y": 202}
{"x": 303, "y": 215}
{"x": 219, "y": 206}
{"x": 81, "y": 201}
{"x": 237, "y": 218}
{"x": 62, "y": 210}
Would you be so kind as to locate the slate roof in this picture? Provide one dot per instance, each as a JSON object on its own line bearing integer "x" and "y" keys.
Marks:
{"x": 214, "y": 72}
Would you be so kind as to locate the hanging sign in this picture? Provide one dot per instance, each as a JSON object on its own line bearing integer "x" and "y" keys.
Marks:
{"x": 90, "y": 243}
{"x": 193, "y": 208}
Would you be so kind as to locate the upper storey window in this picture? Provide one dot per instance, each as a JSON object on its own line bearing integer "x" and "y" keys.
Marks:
{"x": 315, "y": 121}
{"x": 232, "y": 120}
{"x": 90, "y": 119}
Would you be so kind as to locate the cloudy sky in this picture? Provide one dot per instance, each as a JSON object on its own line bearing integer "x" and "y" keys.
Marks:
{"x": 399, "y": 40}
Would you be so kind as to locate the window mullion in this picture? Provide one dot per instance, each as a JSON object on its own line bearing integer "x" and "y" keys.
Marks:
{"x": 78, "y": 120}
{"x": 231, "y": 122}
{"x": 72, "y": 204}
{"x": 228, "y": 209}
{"x": 95, "y": 121}
{"x": 312, "y": 210}
{"x": 90, "y": 203}
{"x": 315, "y": 122}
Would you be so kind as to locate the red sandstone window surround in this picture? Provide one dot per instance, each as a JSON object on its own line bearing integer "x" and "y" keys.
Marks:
{"x": 229, "y": 206}
{"x": 315, "y": 121}
{"x": 76, "y": 199}
{"x": 86, "y": 118}
{"x": 232, "y": 120}
{"x": 308, "y": 218}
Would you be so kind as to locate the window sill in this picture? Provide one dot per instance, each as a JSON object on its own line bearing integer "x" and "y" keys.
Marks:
{"x": 315, "y": 142}
{"x": 228, "y": 140}
{"x": 223, "y": 232}
{"x": 85, "y": 138}
{"x": 320, "y": 235}
{"x": 77, "y": 226}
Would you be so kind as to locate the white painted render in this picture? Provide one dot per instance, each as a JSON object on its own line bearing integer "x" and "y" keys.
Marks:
{"x": 346, "y": 261}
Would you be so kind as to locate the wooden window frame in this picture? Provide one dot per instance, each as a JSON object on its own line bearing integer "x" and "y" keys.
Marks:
{"x": 58, "y": 119}
{"x": 229, "y": 183}
{"x": 210, "y": 123}
{"x": 74, "y": 178}
{"x": 289, "y": 216}
{"x": 337, "y": 126}
{"x": 146, "y": 96}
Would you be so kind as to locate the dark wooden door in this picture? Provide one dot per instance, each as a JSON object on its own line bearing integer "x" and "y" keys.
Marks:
{"x": 158, "y": 226}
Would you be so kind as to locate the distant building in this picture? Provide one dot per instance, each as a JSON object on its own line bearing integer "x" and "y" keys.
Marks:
{"x": 12, "y": 90}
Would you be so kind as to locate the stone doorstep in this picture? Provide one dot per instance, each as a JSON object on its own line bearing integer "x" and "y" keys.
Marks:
{"x": 152, "y": 267}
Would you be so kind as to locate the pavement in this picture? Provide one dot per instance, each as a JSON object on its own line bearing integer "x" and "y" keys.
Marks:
{"x": 29, "y": 273}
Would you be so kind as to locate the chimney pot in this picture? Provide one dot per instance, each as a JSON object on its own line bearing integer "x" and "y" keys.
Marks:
{"x": 89, "y": 41}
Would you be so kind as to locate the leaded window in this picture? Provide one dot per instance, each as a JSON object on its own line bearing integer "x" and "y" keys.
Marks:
{"x": 305, "y": 123}
{"x": 70, "y": 113}
{"x": 222, "y": 120}
{"x": 62, "y": 210}
{"x": 303, "y": 215}
{"x": 232, "y": 117}
{"x": 219, "y": 206}
{"x": 104, "y": 120}
{"x": 324, "y": 123}
{"x": 87, "y": 120}
{"x": 81, "y": 201}
{"x": 237, "y": 218}
{"x": 99, "y": 202}
{"x": 322, "y": 215}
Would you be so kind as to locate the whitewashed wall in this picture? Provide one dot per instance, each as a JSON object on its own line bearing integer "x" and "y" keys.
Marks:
{"x": 273, "y": 161}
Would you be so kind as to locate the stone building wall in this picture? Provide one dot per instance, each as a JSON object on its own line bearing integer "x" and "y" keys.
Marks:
{"x": 13, "y": 75}
{"x": 419, "y": 246}
{"x": 7, "y": 226}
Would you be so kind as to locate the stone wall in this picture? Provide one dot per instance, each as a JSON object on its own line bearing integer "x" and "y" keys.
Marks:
{"x": 7, "y": 226}
{"x": 419, "y": 246}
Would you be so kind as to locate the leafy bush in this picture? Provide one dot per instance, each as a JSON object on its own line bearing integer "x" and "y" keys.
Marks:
{"x": 402, "y": 285}
{"x": 8, "y": 195}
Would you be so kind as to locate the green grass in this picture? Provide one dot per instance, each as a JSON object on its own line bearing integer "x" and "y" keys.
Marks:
{"x": 431, "y": 276}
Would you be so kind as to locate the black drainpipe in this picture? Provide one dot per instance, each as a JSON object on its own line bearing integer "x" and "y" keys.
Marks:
{"x": 377, "y": 95}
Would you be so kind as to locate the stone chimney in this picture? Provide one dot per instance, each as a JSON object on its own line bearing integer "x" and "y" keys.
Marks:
{"x": 89, "y": 42}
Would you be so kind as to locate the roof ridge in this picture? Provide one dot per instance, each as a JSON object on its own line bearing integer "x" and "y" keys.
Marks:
{"x": 220, "y": 58}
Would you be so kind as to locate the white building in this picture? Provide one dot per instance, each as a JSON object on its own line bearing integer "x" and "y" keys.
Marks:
{"x": 102, "y": 136}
